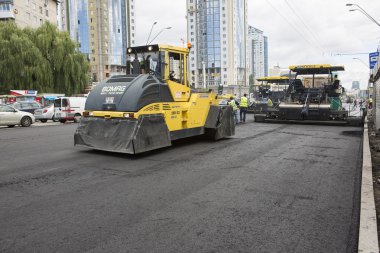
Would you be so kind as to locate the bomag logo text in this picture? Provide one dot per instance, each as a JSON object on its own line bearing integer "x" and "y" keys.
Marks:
{"x": 113, "y": 90}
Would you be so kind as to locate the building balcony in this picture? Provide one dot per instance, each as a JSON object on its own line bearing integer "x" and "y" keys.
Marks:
{"x": 6, "y": 15}
{"x": 6, "y": 9}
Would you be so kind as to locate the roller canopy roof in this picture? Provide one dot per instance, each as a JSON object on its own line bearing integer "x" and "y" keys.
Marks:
{"x": 315, "y": 69}
{"x": 155, "y": 48}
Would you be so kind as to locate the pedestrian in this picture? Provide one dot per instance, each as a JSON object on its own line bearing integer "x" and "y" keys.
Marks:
{"x": 232, "y": 103}
{"x": 243, "y": 108}
{"x": 355, "y": 103}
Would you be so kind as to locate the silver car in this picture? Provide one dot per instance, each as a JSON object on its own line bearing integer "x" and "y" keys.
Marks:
{"x": 10, "y": 117}
{"x": 45, "y": 114}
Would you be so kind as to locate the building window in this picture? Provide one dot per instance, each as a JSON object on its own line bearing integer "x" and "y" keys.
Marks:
{"x": 78, "y": 22}
{"x": 40, "y": 9}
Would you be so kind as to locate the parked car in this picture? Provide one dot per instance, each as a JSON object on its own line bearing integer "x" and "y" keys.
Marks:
{"x": 45, "y": 114}
{"x": 10, "y": 117}
{"x": 69, "y": 108}
{"x": 26, "y": 106}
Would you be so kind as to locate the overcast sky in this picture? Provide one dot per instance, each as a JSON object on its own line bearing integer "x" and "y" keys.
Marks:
{"x": 299, "y": 31}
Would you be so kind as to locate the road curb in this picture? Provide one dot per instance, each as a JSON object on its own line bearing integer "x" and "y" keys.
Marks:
{"x": 368, "y": 241}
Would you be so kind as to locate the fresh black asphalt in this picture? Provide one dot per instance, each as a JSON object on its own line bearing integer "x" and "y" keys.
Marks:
{"x": 270, "y": 188}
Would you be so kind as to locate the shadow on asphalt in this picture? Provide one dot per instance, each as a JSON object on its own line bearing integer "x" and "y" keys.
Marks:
{"x": 354, "y": 133}
{"x": 177, "y": 144}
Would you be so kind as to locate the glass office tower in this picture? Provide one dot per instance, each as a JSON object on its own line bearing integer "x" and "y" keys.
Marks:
{"x": 217, "y": 31}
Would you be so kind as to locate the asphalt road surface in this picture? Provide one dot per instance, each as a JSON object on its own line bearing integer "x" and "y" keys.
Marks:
{"x": 270, "y": 188}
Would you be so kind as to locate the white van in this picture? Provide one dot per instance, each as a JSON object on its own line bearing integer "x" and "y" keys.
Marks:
{"x": 69, "y": 108}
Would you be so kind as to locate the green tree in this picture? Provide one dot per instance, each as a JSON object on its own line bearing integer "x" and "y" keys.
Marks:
{"x": 44, "y": 59}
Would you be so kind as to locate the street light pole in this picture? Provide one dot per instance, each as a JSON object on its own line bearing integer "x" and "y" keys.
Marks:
{"x": 166, "y": 28}
{"x": 150, "y": 33}
{"x": 364, "y": 12}
{"x": 365, "y": 64}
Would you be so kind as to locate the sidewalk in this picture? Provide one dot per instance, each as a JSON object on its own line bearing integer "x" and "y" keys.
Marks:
{"x": 368, "y": 237}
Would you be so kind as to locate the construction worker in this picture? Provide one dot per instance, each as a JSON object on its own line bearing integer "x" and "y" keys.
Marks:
{"x": 370, "y": 102}
{"x": 270, "y": 103}
{"x": 234, "y": 108}
{"x": 243, "y": 108}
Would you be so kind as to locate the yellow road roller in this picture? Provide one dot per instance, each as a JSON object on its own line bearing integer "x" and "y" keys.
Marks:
{"x": 151, "y": 105}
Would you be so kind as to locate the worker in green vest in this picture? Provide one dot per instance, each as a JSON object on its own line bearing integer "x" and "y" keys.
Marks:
{"x": 270, "y": 103}
{"x": 233, "y": 104}
{"x": 243, "y": 108}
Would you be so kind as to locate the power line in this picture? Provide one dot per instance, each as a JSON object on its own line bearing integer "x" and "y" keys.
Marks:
{"x": 294, "y": 27}
{"x": 342, "y": 54}
{"x": 306, "y": 26}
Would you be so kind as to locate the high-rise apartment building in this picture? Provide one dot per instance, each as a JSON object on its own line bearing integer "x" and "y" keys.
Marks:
{"x": 257, "y": 52}
{"x": 104, "y": 29}
{"x": 29, "y": 13}
{"x": 266, "y": 66}
{"x": 217, "y": 32}
{"x": 62, "y": 15}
